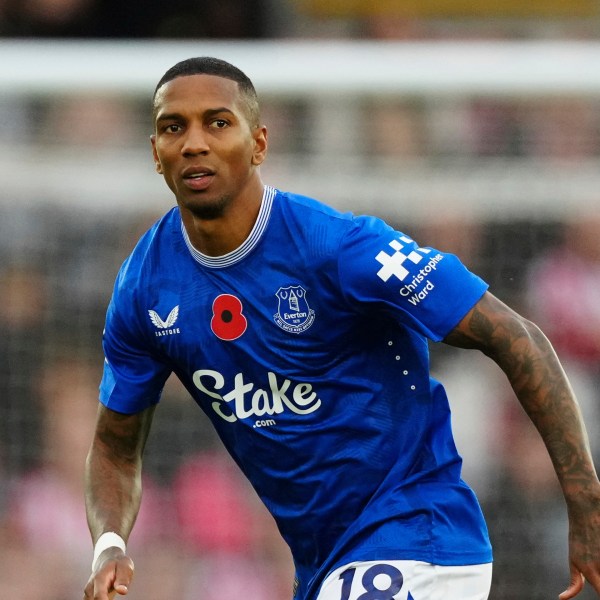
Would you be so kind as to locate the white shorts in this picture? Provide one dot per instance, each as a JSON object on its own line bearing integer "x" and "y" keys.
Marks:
{"x": 407, "y": 580}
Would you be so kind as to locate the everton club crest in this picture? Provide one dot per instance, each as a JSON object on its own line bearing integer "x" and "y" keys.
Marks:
{"x": 293, "y": 314}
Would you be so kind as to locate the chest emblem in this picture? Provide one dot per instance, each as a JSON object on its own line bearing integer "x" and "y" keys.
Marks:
{"x": 293, "y": 312}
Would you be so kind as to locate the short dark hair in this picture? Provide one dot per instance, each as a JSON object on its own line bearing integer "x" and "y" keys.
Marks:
{"x": 208, "y": 65}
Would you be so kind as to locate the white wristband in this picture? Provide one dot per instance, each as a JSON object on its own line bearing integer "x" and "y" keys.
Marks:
{"x": 109, "y": 539}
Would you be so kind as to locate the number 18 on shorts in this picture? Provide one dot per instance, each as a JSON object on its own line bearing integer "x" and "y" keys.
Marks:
{"x": 407, "y": 580}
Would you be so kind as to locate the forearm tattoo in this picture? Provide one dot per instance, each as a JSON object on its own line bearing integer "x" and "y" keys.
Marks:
{"x": 527, "y": 358}
{"x": 113, "y": 478}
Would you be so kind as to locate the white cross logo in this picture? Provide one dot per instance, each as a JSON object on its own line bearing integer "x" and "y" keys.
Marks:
{"x": 393, "y": 265}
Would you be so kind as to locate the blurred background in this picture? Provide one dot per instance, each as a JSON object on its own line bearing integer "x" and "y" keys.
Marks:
{"x": 472, "y": 126}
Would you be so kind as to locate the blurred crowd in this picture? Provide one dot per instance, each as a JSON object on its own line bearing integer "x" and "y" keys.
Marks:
{"x": 201, "y": 531}
{"x": 202, "y": 534}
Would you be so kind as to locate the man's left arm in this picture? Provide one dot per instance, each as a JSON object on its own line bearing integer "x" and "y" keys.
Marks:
{"x": 528, "y": 359}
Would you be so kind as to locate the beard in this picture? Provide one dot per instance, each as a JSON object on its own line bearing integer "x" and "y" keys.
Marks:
{"x": 209, "y": 211}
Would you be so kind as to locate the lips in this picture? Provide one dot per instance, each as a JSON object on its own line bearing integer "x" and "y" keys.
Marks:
{"x": 198, "y": 178}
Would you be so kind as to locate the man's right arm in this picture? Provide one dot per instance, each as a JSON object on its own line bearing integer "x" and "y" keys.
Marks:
{"x": 113, "y": 493}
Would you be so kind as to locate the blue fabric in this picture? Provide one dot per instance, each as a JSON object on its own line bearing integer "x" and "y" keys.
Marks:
{"x": 307, "y": 349}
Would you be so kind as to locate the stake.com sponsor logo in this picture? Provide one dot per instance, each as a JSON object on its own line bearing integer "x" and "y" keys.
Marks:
{"x": 245, "y": 400}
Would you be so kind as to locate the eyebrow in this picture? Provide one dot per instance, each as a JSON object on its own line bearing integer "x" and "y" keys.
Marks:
{"x": 210, "y": 112}
{"x": 215, "y": 111}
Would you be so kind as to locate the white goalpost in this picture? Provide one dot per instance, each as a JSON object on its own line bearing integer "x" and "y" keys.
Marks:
{"x": 336, "y": 83}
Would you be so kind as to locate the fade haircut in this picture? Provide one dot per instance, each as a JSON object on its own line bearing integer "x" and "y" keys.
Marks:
{"x": 207, "y": 65}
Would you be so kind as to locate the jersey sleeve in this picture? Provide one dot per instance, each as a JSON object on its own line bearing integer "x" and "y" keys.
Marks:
{"x": 419, "y": 287}
{"x": 133, "y": 378}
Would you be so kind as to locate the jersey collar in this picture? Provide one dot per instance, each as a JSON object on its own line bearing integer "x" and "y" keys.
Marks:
{"x": 235, "y": 256}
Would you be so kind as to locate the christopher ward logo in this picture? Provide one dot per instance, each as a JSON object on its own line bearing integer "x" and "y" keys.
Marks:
{"x": 401, "y": 265}
{"x": 293, "y": 314}
{"x": 165, "y": 327}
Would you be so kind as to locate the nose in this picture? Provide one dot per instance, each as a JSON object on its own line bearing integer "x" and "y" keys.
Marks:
{"x": 195, "y": 141}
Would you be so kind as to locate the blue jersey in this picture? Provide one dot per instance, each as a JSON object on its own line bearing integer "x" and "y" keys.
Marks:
{"x": 307, "y": 349}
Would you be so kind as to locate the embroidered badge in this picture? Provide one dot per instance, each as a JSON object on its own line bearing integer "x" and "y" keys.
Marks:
{"x": 293, "y": 312}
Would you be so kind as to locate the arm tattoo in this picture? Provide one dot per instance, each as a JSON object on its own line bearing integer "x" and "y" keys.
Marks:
{"x": 113, "y": 471}
{"x": 538, "y": 380}
{"x": 125, "y": 435}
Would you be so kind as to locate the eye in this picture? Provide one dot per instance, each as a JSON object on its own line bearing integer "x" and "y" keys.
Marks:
{"x": 172, "y": 128}
{"x": 219, "y": 124}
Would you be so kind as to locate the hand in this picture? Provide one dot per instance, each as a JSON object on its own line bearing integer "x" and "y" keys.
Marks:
{"x": 113, "y": 575}
{"x": 584, "y": 545}
{"x": 576, "y": 585}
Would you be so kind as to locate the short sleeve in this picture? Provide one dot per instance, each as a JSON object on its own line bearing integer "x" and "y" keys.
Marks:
{"x": 133, "y": 378}
{"x": 420, "y": 287}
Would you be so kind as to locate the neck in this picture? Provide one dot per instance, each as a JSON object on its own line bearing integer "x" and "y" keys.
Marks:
{"x": 221, "y": 235}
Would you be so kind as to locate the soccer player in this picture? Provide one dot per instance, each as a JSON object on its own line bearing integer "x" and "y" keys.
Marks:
{"x": 302, "y": 333}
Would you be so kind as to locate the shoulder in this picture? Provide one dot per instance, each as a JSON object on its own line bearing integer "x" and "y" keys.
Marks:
{"x": 312, "y": 215}
{"x": 143, "y": 261}
{"x": 309, "y": 209}
{"x": 319, "y": 234}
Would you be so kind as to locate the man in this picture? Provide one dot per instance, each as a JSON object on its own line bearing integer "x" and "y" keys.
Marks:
{"x": 301, "y": 332}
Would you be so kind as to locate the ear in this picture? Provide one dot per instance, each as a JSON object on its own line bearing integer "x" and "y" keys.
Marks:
{"x": 260, "y": 145}
{"x": 157, "y": 164}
